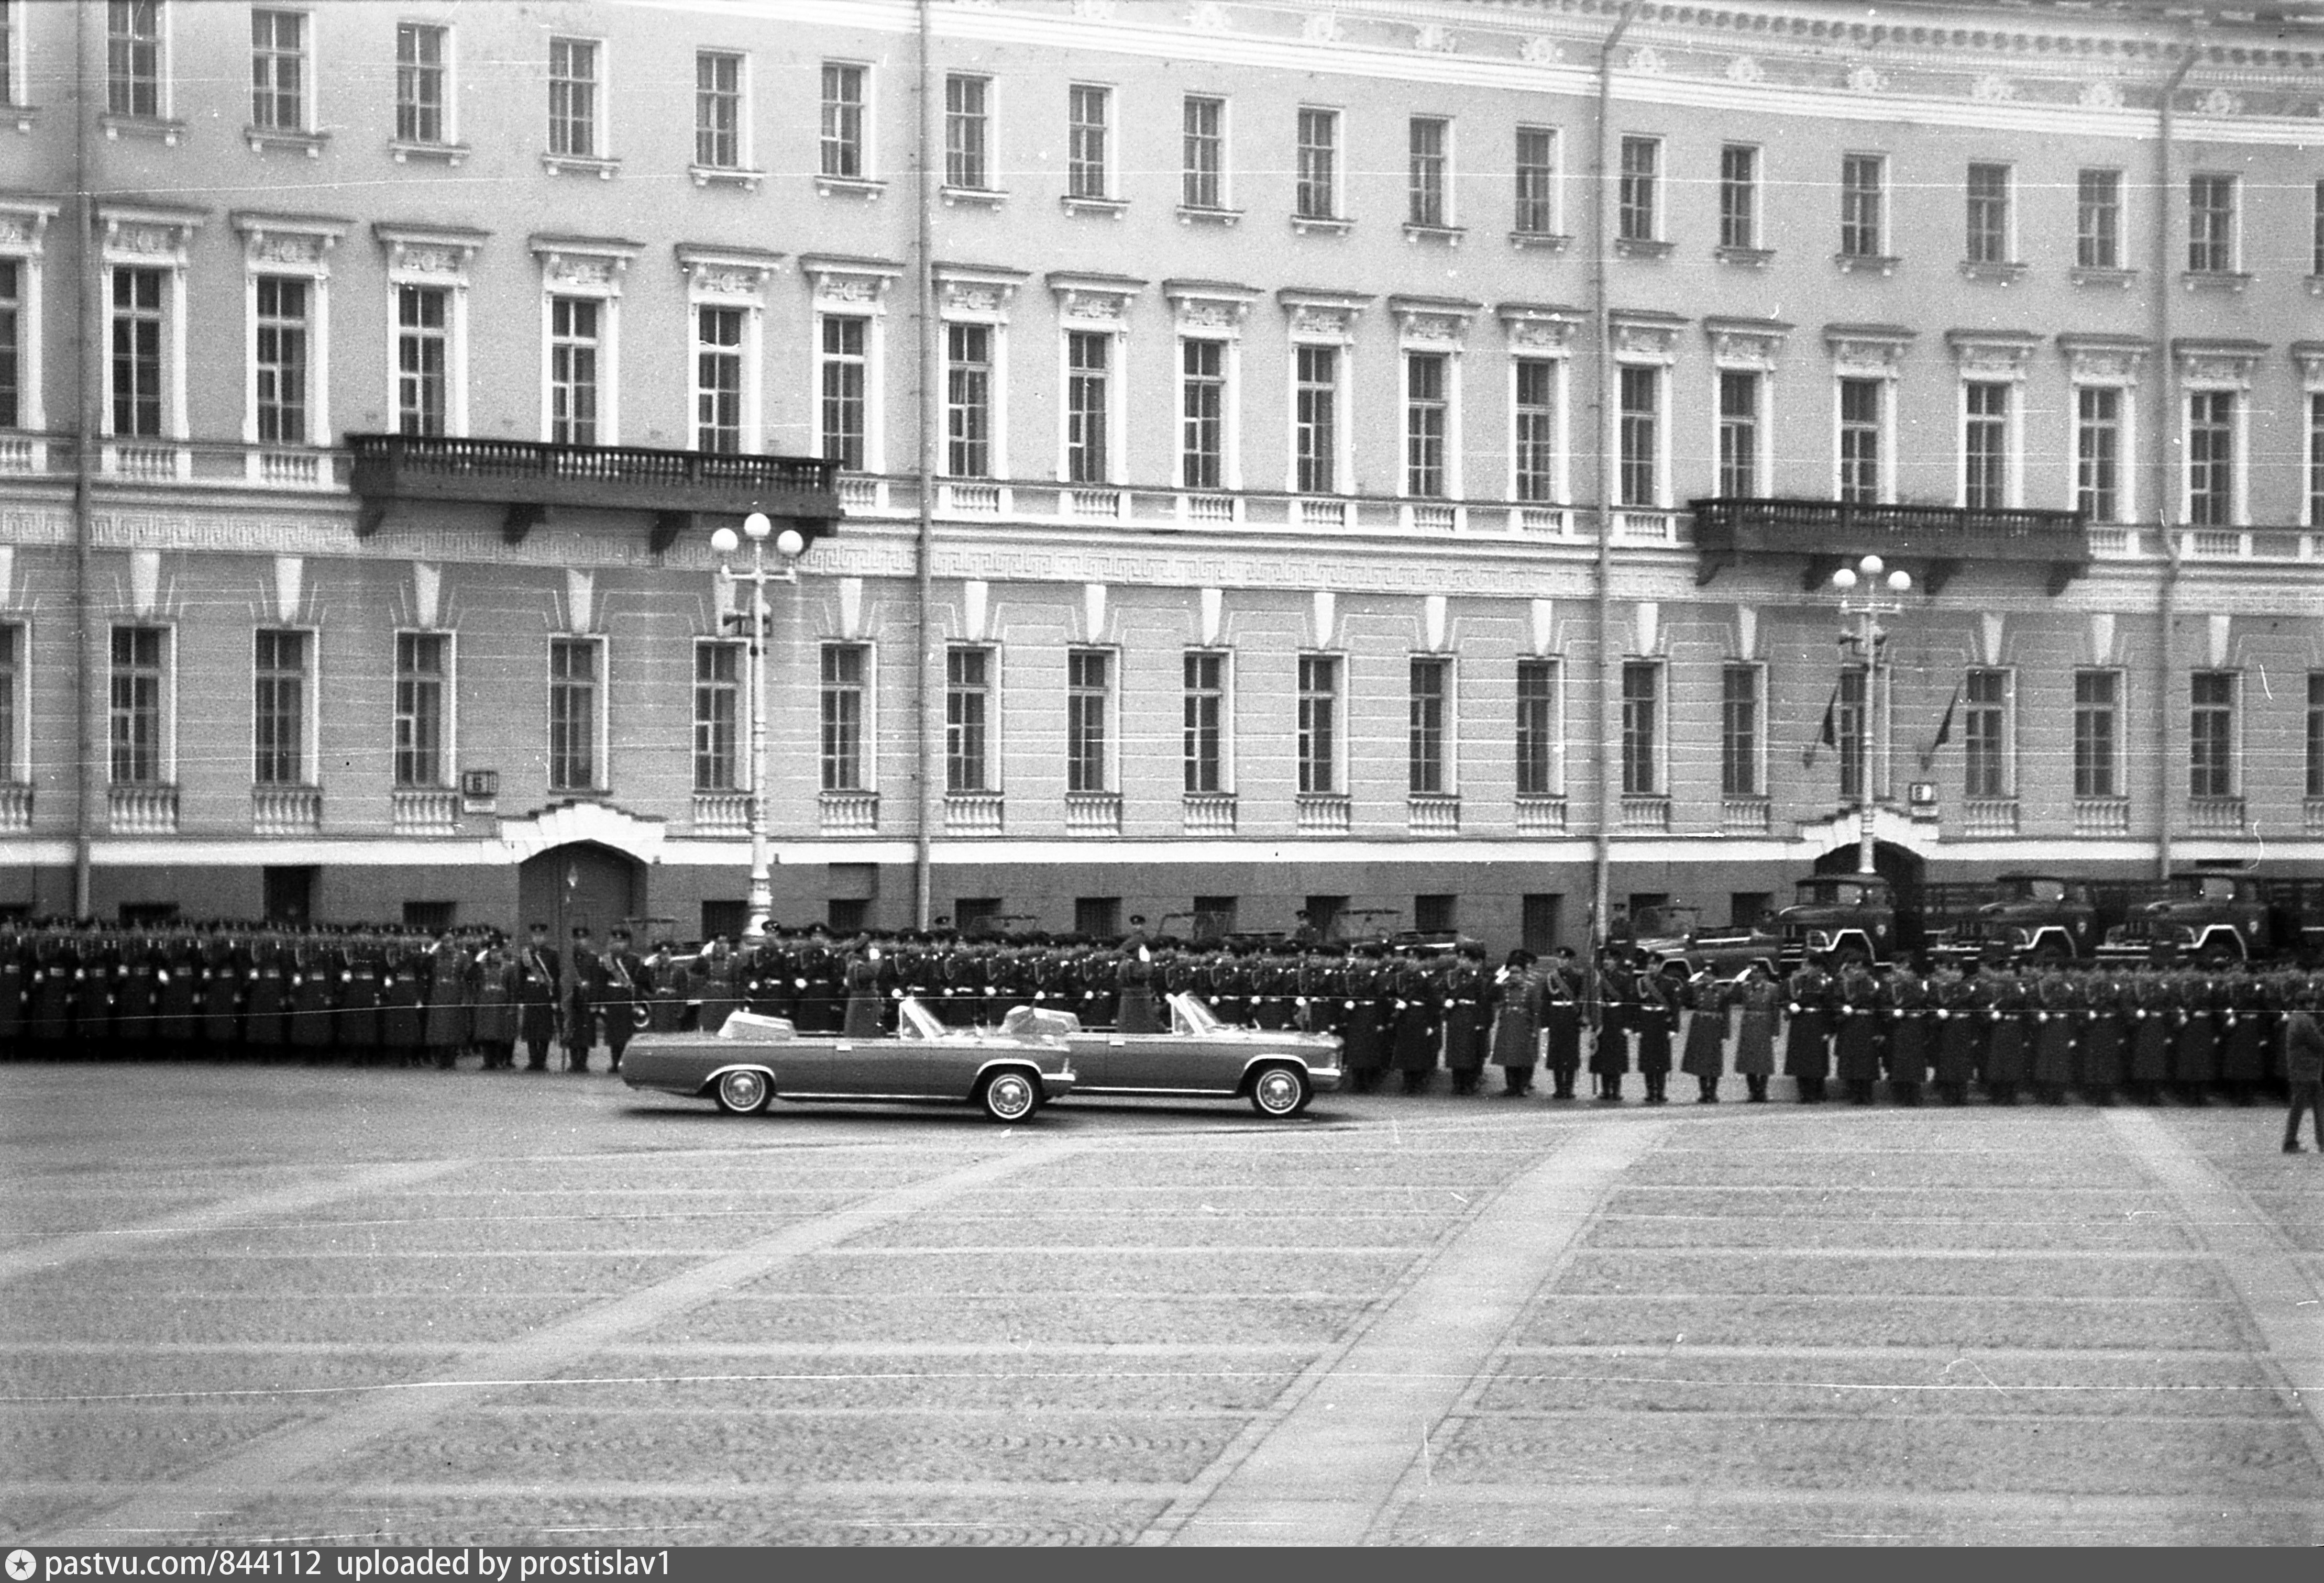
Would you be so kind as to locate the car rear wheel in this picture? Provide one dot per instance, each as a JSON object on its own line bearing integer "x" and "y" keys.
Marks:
{"x": 1280, "y": 1091}
{"x": 743, "y": 1092}
{"x": 1008, "y": 1096}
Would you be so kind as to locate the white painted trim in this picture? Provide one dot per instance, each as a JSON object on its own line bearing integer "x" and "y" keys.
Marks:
{"x": 21, "y": 745}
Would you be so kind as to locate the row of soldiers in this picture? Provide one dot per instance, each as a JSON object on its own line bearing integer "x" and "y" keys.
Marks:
{"x": 373, "y": 994}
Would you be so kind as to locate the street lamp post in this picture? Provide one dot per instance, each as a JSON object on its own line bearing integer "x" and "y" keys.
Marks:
{"x": 788, "y": 545}
{"x": 1865, "y": 595}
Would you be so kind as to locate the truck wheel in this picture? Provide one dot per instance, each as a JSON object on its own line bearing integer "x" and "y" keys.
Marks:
{"x": 2219, "y": 953}
{"x": 2052, "y": 950}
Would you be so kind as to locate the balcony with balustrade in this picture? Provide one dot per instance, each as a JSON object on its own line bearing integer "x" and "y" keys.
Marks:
{"x": 1208, "y": 814}
{"x": 2101, "y": 815}
{"x": 1932, "y": 542}
{"x": 2215, "y": 816}
{"x": 1092, "y": 813}
{"x": 1432, "y": 813}
{"x": 15, "y": 808}
{"x": 971, "y": 813}
{"x": 1644, "y": 814}
{"x": 286, "y": 810}
{"x": 1987, "y": 818}
{"x": 1323, "y": 813}
{"x": 849, "y": 813}
{"x": 722, "y": 813}
{"x": 140, "y": 809}
{"x": 1542, "y": 814}
{"x": 1741, "y": 816}
{"x": 424, "y": 810}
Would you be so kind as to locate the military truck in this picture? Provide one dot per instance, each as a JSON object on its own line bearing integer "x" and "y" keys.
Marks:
{"x": 2214, "y": 916}
{"x": 1839, "y": 916}
{"x": 1672, "y": 937}
{"x": 2018, "y": 917}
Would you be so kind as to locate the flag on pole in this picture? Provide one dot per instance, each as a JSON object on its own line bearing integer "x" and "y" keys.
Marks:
{"x": 1829, "y": 736}
{"x": 1944, "y": 730}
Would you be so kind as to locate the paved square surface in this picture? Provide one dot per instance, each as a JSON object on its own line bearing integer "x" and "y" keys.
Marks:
{"x": 248, "y": 1303}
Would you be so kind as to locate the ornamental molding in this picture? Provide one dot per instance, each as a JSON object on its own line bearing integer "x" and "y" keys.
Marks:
{"x": 300, "y": 244}
{"x": 138, "y": 233}
{"x": 2310, "y": 356}
{"x": 1648, "y": 61}
{"x": 1208, "y": 18}
{"x": 1992, "y": 353}
{"x": 1435, "y": 38}
{"x": 2100, "y": 96}
{"x": 428, "y": 254}
{"x": 1746, "y": 70}
{"x": 2103, "y": 360}
{"x": 976, "y": 293}
{"x": 1538, "y": 328}
{"x": 1321, "y": 316}
{"x": 1095, "y": 9}
{"x": 1323, "y": 28}
{"x": 1540, "y": 50}
{"x": 1868, "y": 351}
{"x": 25, "y": 225}
{"x": 839, "y": 284}
{"x": 1746, "y": 342}
{"x": 2217, "y": 365}
{"x": 1432, "y": 321}
{"x": 587, "y": 265}
{"x": 1209, "y": 308}
{"x": 1992, "y": 89}
{"x": 1092, "y": 298}
{"x": 1645, "y": 337}
{"x": 736, "y": 275}
{"x": 1864, "y": 79}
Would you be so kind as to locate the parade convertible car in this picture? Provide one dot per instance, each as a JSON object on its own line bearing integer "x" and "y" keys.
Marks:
{"x": 755, "y": 1060}
{"x": 1200, "y": 1058}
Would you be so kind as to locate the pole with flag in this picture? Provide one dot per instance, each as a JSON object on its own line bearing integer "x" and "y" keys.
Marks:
{"x": 1944, "y": 730}
{"x": 1828, "y": 736}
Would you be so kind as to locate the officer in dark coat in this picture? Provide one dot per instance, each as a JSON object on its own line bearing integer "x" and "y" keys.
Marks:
{"x": 624, "y": 986}
{"x": 584, "y": 981}
{"x": 1618, "y": 1016}
{"x": 490, "y": 981}
{"x": 2242, "y": 1032}
{"x": 1856, "y": 1040}
{"x": 314, "y": 991}
{"x": 2010, "y": 1005}
{"x": 403, "y": 1000}
{"x": 1466, "y": 1017}
{"x": 1562, "y": 1018}
{"x": 358, "y": 1021}
{"x": 2153, "y": 1016}
{"x": 1703, "y": 1056}
{"x": 1370, "y": 1003}
{"x": 450, "y": 1026}
{"x": 1417, "y": 1027}
{"x": 540, "y": 991}
{"x": 1518, "y": 1001}
{"x": 1912, "y": 1034}
{"x": 2105, "y": 1034}
{"x": 1139, "y": 1012}
{"x": 1657, "y": 1020}
{"x": 2056, "y": 1020}
{"x": 181, "y": 991}
{"x": 1807, "y": 1039}
{"x": 1960, "y": 1032}
{"x": 269, "y": 997}
{"x": 2195, "y": 1053}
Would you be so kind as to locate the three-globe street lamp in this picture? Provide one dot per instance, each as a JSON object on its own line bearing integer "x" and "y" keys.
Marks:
{"x": 1861, "y": 595}
{"x": 789, "y": 545}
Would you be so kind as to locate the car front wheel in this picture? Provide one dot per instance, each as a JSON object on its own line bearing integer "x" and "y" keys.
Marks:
{"x": 743, "y": 1092}
{"x": 1280, "y": 1091}
{"x": 1008, "y": 1096}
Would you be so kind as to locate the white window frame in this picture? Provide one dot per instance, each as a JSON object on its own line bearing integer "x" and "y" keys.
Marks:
{"x": 1762, "y": 426}
{"x": 2312, "y": 482}
{"x": 967, "y": 296}
{"x": 18, "y": 77}
{"x": 310, "y": 707}
{"x": 287, "y": 246}
{"x": 595, "y": 269}
{"x": 1226, "y": 658}
{"x": 743, "y": 141}
{"x": 2009, "y": 208}
{"x": 2122, "y": 218}
{"x": 600, "y": 159}
{"x": 1116, "y": 408}
{"x": 2236, "y": 206}
{"x": 1110, "y": 770}
{"x": 1885, "y": 488}
{"x": 1338, "y": 185}
{"x": 154, "y": 239}
{"x": 1658, "y": 196}
{"x": 867, "y": 746}
{"x": 739, "y": 779}
{"x": 851, "y": 289}
{"x": 1448, "y": 216}
{"x": 1109, "y": 131}
{"x": 165, "y": 57}
{"x": 1452, "y": 490}
{"x": 2238, "y": 725}
{"x": 1555, "y": 168}
{"x": 2010, "y": 757}
{"x": 23, "y": 235}
{"x": 988, "y": 116}
{"x": 427, "y": 256}
{"x": 1662, "y": 436}
{"x": 732, "y": 278}
{"x": 451, "y": 101}
{"x": 2126, "y": 469}
{"x": 1328, "y": 320}
{"x": 309, "y": 117}
{"x": 2239, "y": 469}
{"x": 1557, "y": 729}
{"x": 448, "y": 772}
{"x": 1885, "y": 198}
{"x": 1757, "y": 670}
{"x": 867, "y": 122}
{"x": 1448, "y": 764}
{"x": 1560, "y": 452}
{"x": 166, "y": 728}
{"x": 1756, "y": 205}
{"x": 19, "y": 742}
{"x": 1340, "y": 722}
{"x": 2116, "y": 763}
{"x": 1225, "y": 195}
{"x": 2013, "y": 448}
{"x": 992, "y": 692}
{"x": 1662, "y": 740}
{"x": 600, "y": 747}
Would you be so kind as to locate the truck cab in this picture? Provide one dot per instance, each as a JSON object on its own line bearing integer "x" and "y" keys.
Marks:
{"x": 2029, "y": 917}
{"x": 1673, "y": 938}
{"x": 1841, "y": 916}
{"x": 2209, "y": 915}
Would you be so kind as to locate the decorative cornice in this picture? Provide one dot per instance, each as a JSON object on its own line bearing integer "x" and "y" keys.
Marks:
{"x": 1216, "y": 307}
{"x": 2217, "y": 363}
{"x": 584, "y": 263}
{"x": 842, "y": 283}
{"x": 24, "y": 223}
{"x": 737, "y": 274}
{"x": 1992, "y": 353}
{"x": 2104, "y": 360}
{"x": 1538, "y": 327}
{"x": 1645, "y": 335}
{"x": 978, "y": 293}
{"x": 1318, "y": 315}
{"x": 1868, "y": 351}
{"x": 2310, "y": 356}
{"x": 1433, "y": 321}
{"x": 1745, "y": 343}
{"x": 428, "y": 252}
{"x": 148, "y": 233}
{"x": 1086, "y": 298}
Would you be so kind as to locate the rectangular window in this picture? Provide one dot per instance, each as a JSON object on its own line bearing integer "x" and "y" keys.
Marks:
{"x": 2315, "y": 735}
{"x": 1316, "y": 419}
{"x": 1641, "y": 437}
{"x": 2097, "y": 453}
{"x": 968, "y": 400}
{"x": 12, "y": 708}
{"x": 1204, "y": 155}
{"x": 279, "y": 709}
{"x": 278, "y": 69}
{"x": 1089, "y": 356}
{"x": 1848, "y": 725}
{"x": 1860, "y": 441}
{"x": 2097, "y": 219}
{"x": 1536, "y": 181}
{"x": 2316, "y": 460}
{"x": 573, "y": 755}
{"x": 2098, "y": 696}
{"x": 718, "y": 380}
{"x": 1535, "y": 440}
{"x": 1435, "y": 914}
{"x": 137, "y": 352}
{"x": 2316, "y": 255}
{"x": 1642, "y": 700}
{"x": 421, "y": 54}
{"x": 1427, "y": 417}
{"x": 968, "y": 705}
{"x": 423, "y": 667}
{"x": 1863, "y": 184}
{"x": 845, "y": 367}
{"x": 717, "y": 109}
{"x": 280, "y": 356}
{"x": 845, "y": 700}
{"x": 1203, "y": 421}
{"x": 1986, "y": 734}
{"x": 1205, "y": 717}
{"x": 1088, "y": 708}
{"x": 572, "y": 348}
{"x": 1319, "y": 723}
{"x": 1317, "y": 197}
{"x": 423, "y": 350}
{"x": 1738, "y": 196}
{"x": 717, "y": 716}
{"x": 1985, "y": 446}
{"x": 2211, "y": 224}
{"x": 573, "y": 98}
{"x": 132, "y": 58}
{"x": 842, "y": 121}
{"x": 139, "y": 682}
{"x": 1429, "y": 170}
{"x": 1089, "y": 115}
{"x": 2211, "y": 458}
{"x": 1428, "y": 727}
{"x": 1987, "y": 238}
{"x": 12, "y": 330}
{"x": 1738, "y": 434}
{"x": 1636, "y": 212}
{"x": 2212, "y": 734}
{"x": 1739, "y": 730}
{"x": 967, "y": 129}
{"x": 1537, "y": 741}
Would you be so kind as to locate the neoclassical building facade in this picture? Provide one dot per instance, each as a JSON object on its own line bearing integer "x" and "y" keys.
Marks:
{"x": 1386, "y": 458}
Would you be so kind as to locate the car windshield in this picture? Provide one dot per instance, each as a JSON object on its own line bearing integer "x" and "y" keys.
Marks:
{"x": 2213, "y": 887}
{"x": 1190, "y": 1016}
{"x": 2036, "y": 889}
{"x": 916, "y": 1021}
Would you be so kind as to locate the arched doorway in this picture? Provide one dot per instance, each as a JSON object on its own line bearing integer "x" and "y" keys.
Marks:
{"x": 579, "y": 883}
{"x": 1902, "y": 867}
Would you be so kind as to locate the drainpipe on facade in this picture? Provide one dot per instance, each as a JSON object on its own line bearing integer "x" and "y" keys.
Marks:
{"x": 84, "y": 386}
{"x": 926, "y": 731}
{"x": 1609, "y": 784}
{"x": 2165, "y": 450}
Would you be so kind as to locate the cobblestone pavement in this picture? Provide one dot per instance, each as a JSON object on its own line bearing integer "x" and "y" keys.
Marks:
{"x": 246, "y": 1304}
